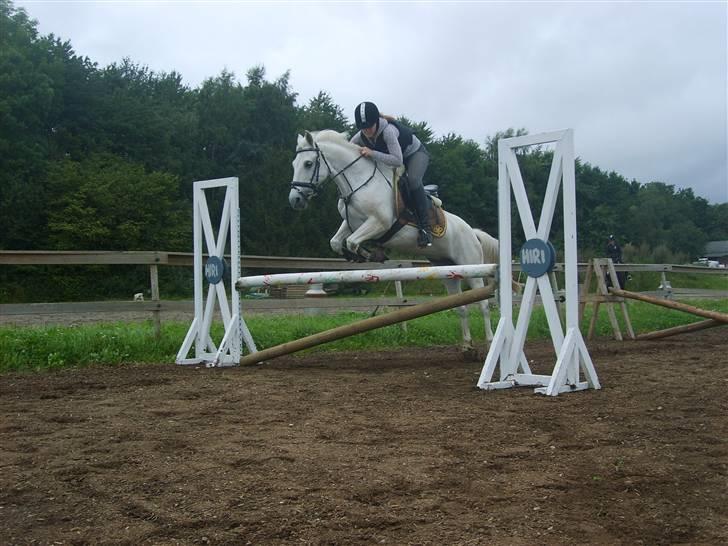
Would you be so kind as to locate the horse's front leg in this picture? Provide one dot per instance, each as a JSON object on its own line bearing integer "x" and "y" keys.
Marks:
{"x": 337, "y": 241}
{"x": 370, "y": 229}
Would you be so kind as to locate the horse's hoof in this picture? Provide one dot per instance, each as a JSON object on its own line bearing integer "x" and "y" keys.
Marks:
{"x": 378, "y": 255}
{"x": 469, "y": 354}
{"x": 351, "y": 256}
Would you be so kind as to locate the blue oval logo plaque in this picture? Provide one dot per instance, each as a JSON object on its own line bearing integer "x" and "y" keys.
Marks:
{"x": 537, "y": 257}
{"x": 214, "y": 269}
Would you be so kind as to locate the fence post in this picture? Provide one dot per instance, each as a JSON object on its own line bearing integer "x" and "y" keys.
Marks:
{"x": 400, "y": 296}
{"x": 154, "y": 275}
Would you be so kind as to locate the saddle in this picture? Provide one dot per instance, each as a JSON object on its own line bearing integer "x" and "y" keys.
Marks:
{"x": 406, "y": 216}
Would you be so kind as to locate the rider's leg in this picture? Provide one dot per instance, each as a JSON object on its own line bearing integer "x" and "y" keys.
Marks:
{"x": 422, "y": 205}
{"x": 416, "y": 166}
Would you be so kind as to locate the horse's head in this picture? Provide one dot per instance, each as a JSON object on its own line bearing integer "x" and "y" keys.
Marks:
{"x": 310, "y": 170}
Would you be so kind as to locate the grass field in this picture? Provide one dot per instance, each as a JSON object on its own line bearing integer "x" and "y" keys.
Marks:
{"x": 39, "y": 348}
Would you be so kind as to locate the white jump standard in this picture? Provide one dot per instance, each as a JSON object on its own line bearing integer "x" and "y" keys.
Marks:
{"x": 236, "y": 331}
{"x": 508, "y": 342}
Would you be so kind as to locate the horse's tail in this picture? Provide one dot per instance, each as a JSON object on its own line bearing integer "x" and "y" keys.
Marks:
{"x": 489, "y": 244}
{"x": 491, "y": 254}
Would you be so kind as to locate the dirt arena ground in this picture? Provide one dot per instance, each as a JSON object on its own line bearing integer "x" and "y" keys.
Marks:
{"x": 386, "y": 448}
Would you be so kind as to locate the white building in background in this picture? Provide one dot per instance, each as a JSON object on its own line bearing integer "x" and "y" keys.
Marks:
{"x": 716, "y": 252}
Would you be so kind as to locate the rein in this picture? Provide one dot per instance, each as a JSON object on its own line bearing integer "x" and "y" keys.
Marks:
{"x": 316, "y": 186}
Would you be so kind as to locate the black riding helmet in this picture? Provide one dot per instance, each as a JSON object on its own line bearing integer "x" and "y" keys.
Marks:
{"x": 366, "y": 114}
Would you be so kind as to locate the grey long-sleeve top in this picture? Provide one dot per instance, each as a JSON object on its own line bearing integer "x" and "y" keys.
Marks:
{"x": 396, "y": 156}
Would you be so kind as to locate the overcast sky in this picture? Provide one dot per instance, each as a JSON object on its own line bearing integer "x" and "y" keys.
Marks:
{"x": 643, "y": 84}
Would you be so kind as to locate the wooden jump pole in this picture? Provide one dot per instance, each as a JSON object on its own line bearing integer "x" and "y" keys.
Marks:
{"x": 401, "y": 315}
{"x": 714, "y": 315}
{"x": 694, "y": 327}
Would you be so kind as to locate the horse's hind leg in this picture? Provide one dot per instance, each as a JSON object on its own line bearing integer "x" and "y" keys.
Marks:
{"x": 453, "y": 287}
{"x": 484, "y": 309}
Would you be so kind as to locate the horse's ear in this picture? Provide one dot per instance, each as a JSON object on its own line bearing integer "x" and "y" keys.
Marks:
{"x": 344, "y": 135}
{"x": 309, "y": 138}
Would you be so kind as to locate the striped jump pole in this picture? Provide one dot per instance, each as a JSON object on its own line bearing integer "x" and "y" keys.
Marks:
{"x": 371, "y": 275}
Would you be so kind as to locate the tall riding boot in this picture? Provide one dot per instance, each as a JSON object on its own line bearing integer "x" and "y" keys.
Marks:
{"x": 422, "y": 207}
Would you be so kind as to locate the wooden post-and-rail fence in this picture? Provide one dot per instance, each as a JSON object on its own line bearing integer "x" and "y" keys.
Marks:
{"x": 154, "y": 259}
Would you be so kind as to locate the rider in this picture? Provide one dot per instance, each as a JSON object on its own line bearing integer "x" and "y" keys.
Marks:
{"x": 388, "y": 141}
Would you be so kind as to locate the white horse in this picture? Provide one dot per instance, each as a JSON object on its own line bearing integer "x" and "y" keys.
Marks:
{"x": 367, "y": 207}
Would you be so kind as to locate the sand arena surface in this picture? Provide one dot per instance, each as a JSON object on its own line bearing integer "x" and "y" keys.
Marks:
{"x": 359, "y": 448}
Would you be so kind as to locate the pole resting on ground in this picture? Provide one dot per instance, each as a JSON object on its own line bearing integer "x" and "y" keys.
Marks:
{"x": 714, "y": 315}
{"x": 448, "y": 302}
{"x": 687, "y": 328}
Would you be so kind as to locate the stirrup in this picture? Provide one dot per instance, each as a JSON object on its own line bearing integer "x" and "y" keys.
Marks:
{"x": 424, "y": 239}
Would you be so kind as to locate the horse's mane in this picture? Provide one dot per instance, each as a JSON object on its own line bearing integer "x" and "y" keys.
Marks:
{"x": 334, "y": 137}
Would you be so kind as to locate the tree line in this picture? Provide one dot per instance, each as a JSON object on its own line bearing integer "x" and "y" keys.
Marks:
{"x": 103, "y": 158}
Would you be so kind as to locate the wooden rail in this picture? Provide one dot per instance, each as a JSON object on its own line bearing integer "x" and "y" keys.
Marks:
{"x": 684, "y": 329}
{"x": 187, "y": 306}
{"x": 251, "y": 261}
{"x": 184, "y": 259}
{"x": 153, "y": 259}
{"x": 713, "y": 315}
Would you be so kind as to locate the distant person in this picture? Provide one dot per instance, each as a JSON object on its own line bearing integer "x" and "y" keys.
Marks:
{"x": 614, "y": 251}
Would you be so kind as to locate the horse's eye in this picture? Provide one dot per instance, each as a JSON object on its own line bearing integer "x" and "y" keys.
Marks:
{"x": 308, "y": 163}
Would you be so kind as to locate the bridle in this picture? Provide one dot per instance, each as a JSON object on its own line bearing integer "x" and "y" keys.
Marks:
{"x": 315, "y": 185}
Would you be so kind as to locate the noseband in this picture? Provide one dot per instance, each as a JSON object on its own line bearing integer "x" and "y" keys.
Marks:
{"x": 313, "y": 186}
{"x": 313, "y": 183}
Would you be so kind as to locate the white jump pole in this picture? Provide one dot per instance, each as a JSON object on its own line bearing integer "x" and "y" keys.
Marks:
{"x": 507, "y": 345}
{"x": 370, "y": 275}
{"x": 236, "y": 331}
